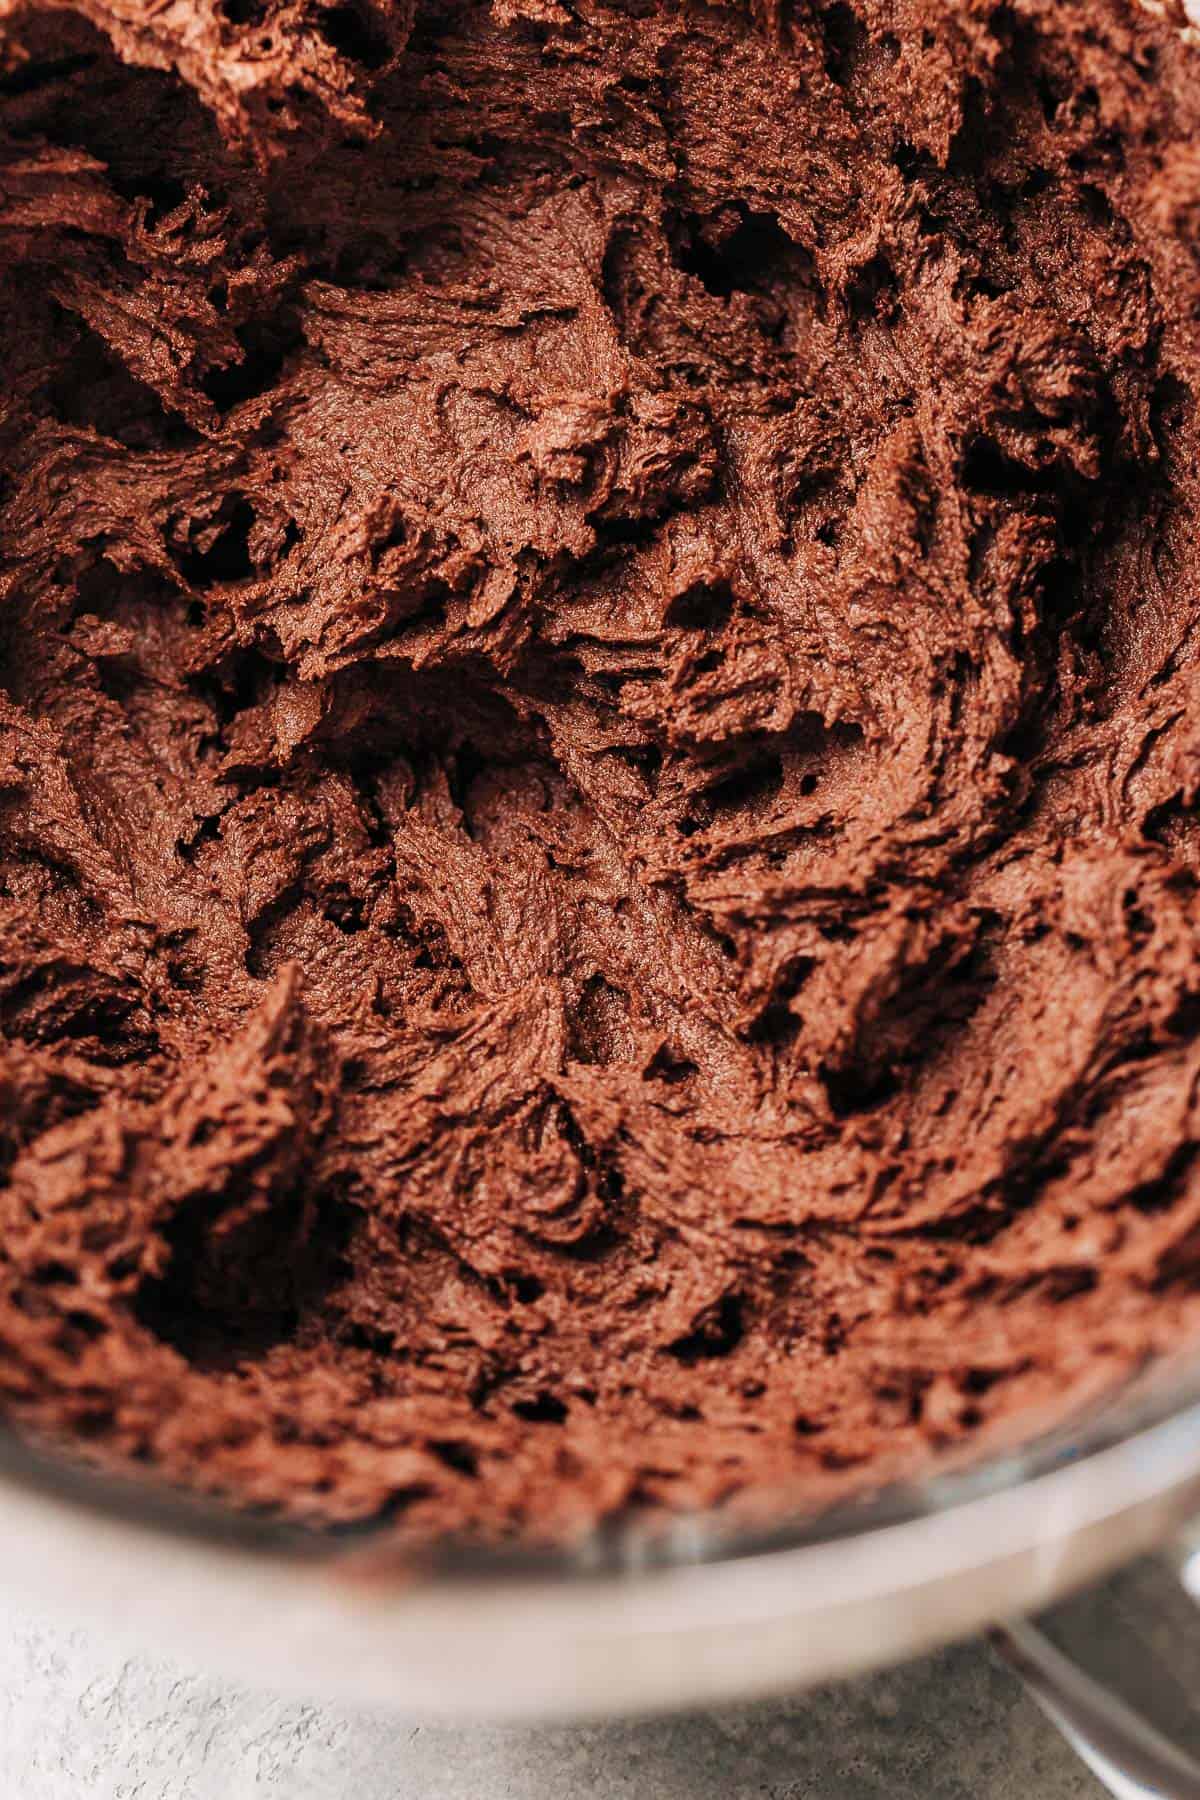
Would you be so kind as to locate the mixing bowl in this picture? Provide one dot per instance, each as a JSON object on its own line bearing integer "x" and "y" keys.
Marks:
{"x": 692, "y": 1616}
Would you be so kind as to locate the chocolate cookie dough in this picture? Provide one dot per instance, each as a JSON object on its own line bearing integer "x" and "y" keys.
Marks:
{"x": 599, "y": 741}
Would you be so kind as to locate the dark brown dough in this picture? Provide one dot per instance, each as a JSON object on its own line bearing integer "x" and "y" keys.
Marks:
{"x": 599, "y": 741}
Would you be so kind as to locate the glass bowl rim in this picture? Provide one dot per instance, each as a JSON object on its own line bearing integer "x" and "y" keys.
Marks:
{"x": 1164, "y": 1392}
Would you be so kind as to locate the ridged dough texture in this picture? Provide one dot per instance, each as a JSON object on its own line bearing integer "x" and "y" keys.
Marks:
{"x": 599, "y": 742}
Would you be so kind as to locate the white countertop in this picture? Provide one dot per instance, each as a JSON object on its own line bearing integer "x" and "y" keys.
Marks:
{"x": 81, "y": 1719}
